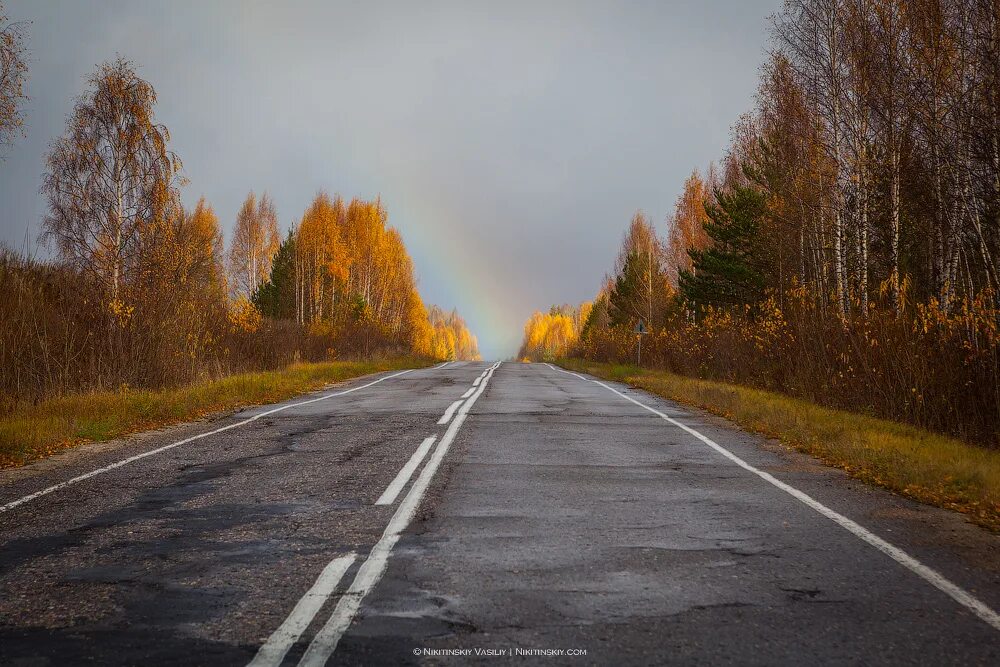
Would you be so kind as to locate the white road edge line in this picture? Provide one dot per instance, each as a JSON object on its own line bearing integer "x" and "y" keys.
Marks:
{"x": 272, "y": 653}
{"x": 446, "y": 417}
{"x": 93, "y": 473}
{"x": 931, "y": 576}
{"x": 576, "y": 375}
{"x": 325, "y": 642}
{"x": 440, "y": 366}
{"x": 388, "y": 496}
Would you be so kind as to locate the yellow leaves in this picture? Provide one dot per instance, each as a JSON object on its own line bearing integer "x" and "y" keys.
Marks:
{"x": 320, "y": 329}
{"x": 244, "y": 316}
{"x": 584, "y": 314}
{"x": 421, "y": 331}
{"x": 450, "y": 338}
{"x": 353, "y": 272}
{"x": 973, "y": 320}
{"x": 687, "y": 224}
{"x": 255, "y": 242}
{"x": 552, "y": 335}
{"x": 121, "y": 311}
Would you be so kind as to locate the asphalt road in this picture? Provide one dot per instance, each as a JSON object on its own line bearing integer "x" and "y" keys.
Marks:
{"x": 551, "y": 519}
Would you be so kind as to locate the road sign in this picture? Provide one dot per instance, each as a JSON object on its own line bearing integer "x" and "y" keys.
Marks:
{"x": 640, "y": 329}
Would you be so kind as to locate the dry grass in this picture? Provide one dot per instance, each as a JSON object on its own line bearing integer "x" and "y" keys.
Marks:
{"x": 924, "y": 466}
{"x": 30, "y": 432}
{"x": 933, "y": 369}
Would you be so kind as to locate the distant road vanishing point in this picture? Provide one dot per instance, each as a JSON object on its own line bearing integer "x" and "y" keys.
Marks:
{"x": 478, "y": 513}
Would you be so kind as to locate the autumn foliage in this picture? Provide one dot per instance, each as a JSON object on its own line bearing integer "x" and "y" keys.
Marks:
{"x": 553, "y": 335}
{"x": 448, "y": 337}
{"x": 938, "y": 371}
{"x": 143, "y": 294}
{"x": 846, "y": 249}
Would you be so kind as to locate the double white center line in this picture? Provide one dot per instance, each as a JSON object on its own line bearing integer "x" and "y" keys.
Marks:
{"x": 371, "y": 570}
{"x": 273, "y": 652}
{"x": 388, "y": 497}
{"x": 450, "y": 412}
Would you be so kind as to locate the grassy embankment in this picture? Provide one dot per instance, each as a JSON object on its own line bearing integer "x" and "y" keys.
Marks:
{"x": 32, "y": 432}
{"x": 924, "y": 466}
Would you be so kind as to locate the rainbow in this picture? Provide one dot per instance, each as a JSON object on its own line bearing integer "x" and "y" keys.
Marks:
{"x": 446, "y": 261}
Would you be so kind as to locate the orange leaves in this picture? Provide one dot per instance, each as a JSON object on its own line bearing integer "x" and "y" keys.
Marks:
{"x": 687, "y": 226}
{"x": 420, "y": 330}
{"x": 353, "y": 272}
{"x": 244, "y": 316}
{"x": 450, "y": 338}
{"x": 553, "y": 335}
{"x": 970, "y": 322}
{"x": 104, "y": 192}
{"x": 932, "y": 367}
{"x": 121, "y": 311}
{"x": 322, "y": 260}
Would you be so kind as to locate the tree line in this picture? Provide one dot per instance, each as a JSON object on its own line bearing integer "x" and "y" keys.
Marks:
{"x": 845, "y": 248}
{"x": 142, "y": 291}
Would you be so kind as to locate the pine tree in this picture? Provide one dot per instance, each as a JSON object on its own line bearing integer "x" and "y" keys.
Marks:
{"x": 731, "y": 271}
{"x": 640, "y": 289}
{"x": 275, "y": 297}
{"x": 628, "y": 300}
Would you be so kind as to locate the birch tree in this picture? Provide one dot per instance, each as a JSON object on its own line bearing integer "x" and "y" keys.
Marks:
{"x": 687, "y": 226}
{"x": 110, "y": 175}
{"x": 255, "y": 241}
{"x": 811, "y": 33}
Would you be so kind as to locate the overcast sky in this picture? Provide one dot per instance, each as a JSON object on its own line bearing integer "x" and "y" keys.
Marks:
{"x": 510, "y": 141}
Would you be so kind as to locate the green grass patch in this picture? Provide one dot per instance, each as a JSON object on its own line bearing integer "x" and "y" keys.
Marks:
{"x": 927, "y": 467}
{"x": 31, "y": 432}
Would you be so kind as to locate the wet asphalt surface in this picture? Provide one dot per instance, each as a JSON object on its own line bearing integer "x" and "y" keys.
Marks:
{"x": 564, "y": 518}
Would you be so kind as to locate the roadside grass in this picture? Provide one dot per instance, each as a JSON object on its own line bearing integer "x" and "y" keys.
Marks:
{"x": 926, "y": 467}
{"x": 31, "y": 432}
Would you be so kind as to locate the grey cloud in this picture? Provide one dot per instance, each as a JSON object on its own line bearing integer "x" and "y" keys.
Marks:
{"x": 511, "y": 142}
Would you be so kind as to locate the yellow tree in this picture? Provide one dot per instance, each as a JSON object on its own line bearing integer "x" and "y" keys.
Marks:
{"x": 451, "y": 338}
{"x": 181, "y": 291}
{"x": 322, "y": 260}
{"x": 419, "y": 330}
{"x": 364, "y": 226}
{"x": 110, "y": 175}
{"x": 552, "y": 335}
{"x": 687, "y": 227}
{"x": 255, "y": 241}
